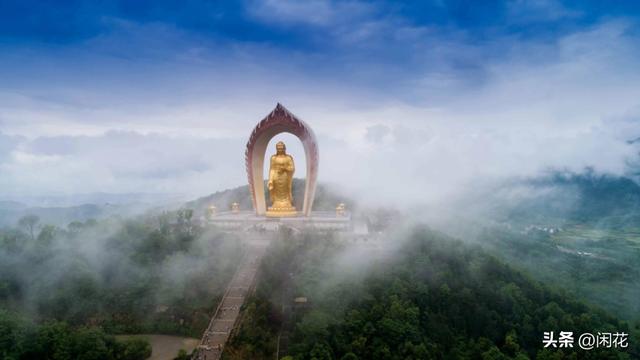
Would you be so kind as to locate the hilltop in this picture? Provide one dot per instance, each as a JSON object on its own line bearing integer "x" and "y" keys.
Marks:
{"x": 326, "y": 199}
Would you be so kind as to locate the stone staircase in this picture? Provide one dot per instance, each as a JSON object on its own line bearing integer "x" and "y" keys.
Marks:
{"x": 227, "y": 313}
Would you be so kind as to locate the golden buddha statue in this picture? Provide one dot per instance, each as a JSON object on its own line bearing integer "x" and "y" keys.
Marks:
{"x": 235, "y": 208}
{"x": 212, "y": 211}
{"x": 280, "y": 182}
{"x": 340, "y": 209}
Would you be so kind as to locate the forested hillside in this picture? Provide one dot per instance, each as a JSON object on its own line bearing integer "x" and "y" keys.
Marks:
{"x": 21, "y": 339}
{"x": 67, "y": 289}
{"x": 580, "y": 232}
{"x": 415, "y": 294}
{"x": 432, "y": 298}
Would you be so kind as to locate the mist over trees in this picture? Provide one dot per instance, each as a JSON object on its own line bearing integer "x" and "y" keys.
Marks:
{"x": 152, "y": 274}
{"x": 403, "y": 292}
{"x": 432, "y": 298}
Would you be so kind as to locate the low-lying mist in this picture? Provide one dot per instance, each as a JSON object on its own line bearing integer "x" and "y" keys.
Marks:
{"x": 156, "y": 272}
{"x": 409, "y": 292}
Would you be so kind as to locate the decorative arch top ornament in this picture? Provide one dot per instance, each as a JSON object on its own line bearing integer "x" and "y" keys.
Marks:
{"x": 280, "y": 120}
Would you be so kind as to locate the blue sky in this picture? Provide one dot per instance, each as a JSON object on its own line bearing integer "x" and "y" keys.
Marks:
{"x": 138, "y": 96}
{"x": 292, "y": 23}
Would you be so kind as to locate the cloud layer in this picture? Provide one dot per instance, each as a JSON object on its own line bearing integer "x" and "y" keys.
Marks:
{"x": 407, "y": 106}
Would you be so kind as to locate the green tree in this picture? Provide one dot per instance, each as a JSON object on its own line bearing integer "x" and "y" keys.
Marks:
{"x": 136, "y": 349}
{"x": 46, "y": 235}
{"x": 29, "y": 223}
{"x": 182, "y": 355}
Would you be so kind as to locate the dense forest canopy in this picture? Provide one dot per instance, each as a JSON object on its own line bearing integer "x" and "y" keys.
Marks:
{"x": 432, "y": 298}
{"x": 20, "y": 339}
{"x": 566, "y": 261}
{"x": 158, "y": 273}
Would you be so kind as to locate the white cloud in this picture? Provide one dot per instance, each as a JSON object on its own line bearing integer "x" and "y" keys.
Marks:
{"x": 528, "y": 11}
{"x": 454, "y": 114}
{"x": 311, "y": 12}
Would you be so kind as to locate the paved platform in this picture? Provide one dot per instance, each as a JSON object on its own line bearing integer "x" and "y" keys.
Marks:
{"x": 248, "y": 220}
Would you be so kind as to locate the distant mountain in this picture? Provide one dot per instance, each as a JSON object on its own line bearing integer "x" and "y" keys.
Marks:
{"x": 61, "y": 210}
{"x": 62, "y": 216}
{"x": 606, "y": 200}
{"x": 11, "y": 205}
{"x": 68, "y": 200}
{"x": 576, "y": 231}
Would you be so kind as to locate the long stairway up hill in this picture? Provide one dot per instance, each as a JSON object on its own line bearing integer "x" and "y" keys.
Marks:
{"x": 226, "y": 316}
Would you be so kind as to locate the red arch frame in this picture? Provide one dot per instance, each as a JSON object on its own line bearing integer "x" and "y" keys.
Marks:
{"x": 278, "y": 121}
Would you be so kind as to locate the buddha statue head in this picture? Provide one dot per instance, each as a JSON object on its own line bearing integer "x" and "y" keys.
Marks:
{"x": 281, "y": 149}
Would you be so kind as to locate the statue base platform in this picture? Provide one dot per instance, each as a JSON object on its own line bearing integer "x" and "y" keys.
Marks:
{"x": 248, "y": 220}
{"x": 281, "y": 212}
